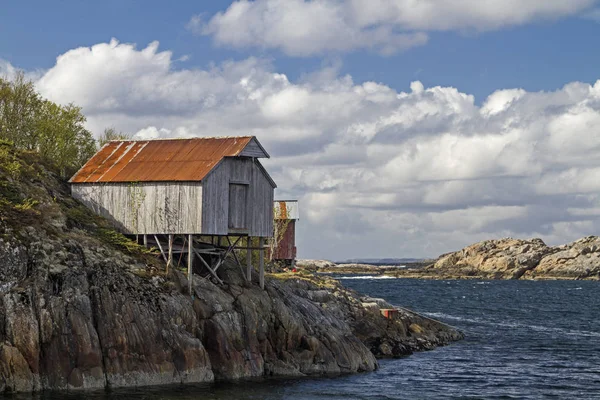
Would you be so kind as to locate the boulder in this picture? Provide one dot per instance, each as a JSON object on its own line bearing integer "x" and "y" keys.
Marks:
{"x": 576, "y": 260}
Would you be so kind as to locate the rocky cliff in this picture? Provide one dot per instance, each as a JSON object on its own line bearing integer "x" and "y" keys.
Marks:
{"x": 81, "y": 307}
{"x": 518, "y": 259}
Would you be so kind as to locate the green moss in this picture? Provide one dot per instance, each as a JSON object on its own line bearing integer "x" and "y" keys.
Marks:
{"x": 81, "y": 217}
{"x": 117, "y": 239}
{"x": 27, "y": 205}
{"x": 9, "y": 193}
{"x": 320, "y": 281}
{"x": 33, "y": 194}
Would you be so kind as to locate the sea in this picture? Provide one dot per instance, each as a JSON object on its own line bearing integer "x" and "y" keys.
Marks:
{"x": 524, "y": 340}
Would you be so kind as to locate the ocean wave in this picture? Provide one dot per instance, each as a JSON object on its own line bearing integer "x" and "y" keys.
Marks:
{"x": 505, "y": 324}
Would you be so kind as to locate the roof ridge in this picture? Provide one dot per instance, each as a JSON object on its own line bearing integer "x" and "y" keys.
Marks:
{"x": 161, "y": 159}
{"x": 181, "y": 138}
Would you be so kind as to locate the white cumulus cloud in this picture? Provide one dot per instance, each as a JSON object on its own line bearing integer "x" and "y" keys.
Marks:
{"x": 309, "y": 27}
{"x": 378, "y": 171}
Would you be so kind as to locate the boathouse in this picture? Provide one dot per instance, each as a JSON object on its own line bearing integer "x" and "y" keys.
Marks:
{"x": 194, "y": 192}
{"x": 286, "y": 214}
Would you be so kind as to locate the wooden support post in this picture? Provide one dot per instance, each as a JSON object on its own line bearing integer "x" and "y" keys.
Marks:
{"x": 232, "y": 247}
{"x": 223, "y": 256}
{"x": 162, "y": 252}
{"x": 145, "y": 240}
{"x": 212, "y": 272}
{"x": 170, "y": 255}
{"x": 261, "y": 262}
{"x": 182, "y": 251}
{"x": 190, "y": 258}
{"x": 248, "y": 260}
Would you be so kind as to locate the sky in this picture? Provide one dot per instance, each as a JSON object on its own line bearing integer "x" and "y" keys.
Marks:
{"x": 405, "y": 128}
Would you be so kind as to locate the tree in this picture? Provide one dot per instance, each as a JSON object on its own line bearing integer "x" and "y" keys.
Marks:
{"x": 111, "y": 134}
{"x": 30, "y": 122}
{"x": 63, "y": 138}
{"x": 19, "y": 106}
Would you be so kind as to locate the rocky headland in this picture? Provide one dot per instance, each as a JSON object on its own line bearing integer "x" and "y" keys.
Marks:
{"x": 506, "y": 258}
{"x": 329, "y": 267}
{"x": 323, "y": 266}
{"x": 510, "y": 258}
{"x": 82, "y": 307}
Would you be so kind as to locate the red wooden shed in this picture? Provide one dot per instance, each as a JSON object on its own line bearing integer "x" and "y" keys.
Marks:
{"x": 286, "y": 214}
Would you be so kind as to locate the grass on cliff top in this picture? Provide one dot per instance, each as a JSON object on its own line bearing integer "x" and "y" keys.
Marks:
{"x": 16, "y": 169}
{"x": 32, "y": 193}
{"x": 308, "y": 276}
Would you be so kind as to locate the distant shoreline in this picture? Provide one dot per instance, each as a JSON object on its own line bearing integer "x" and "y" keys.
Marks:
{"x": 499, "y": 259}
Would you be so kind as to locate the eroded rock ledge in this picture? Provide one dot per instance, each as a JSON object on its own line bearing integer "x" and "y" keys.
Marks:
{"x": 78, "y": 315}
{"x": 517, "y": 259}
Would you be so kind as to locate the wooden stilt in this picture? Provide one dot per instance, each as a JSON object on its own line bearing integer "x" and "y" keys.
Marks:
{"x": 232, "y": 247}
{"x": 261, "y": 262}
{"x": 223, "y": 256}
{"x": 145, "y": 240}
{"x": 190, "y": 258}
{"x": 170, "y": 255}
{"x": 248, "y": 260}
{"x": 212, "y": 272}
{"x": 182, "y": 251}
{"x": 162, "y": 252}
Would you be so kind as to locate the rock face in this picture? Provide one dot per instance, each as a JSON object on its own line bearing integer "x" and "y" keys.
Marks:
{"x": 577, "y": 260}
{"x": 497, "y": 259}
{"x": 88, "y": 320}
{"x": 519, "y": 259}
{"x": 82, "y": 308}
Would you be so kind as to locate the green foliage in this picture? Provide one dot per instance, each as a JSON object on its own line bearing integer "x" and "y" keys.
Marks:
{"x": 85, "y": 219}
{"x": 112, "y": 237}
{"x": 8, "y": 164}
{"x": 111, "y": 134}
{"x": 27, "y": 204}
{"x": 81, "y": 217}
{"x": 32, "y": 123}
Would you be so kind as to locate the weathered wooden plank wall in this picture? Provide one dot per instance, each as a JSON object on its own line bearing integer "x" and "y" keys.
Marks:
{"x": 238, "y": 206}
{"x": 259, "y": 200}
{"x": 253, "y": 149}
{"x": 262, "y": 206}
{"x": 146, "y": 207}
{"x": 286, "y": 248}
{"x": 188, "y": 207}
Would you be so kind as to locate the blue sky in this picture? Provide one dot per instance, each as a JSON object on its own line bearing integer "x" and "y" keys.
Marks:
{"x": 543, "y": 55}
{"x": 405, "y": 129}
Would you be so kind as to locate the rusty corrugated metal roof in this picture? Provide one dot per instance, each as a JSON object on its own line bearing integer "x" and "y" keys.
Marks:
{"x": 286, "y": 209}
{"x": 159, "y": 160}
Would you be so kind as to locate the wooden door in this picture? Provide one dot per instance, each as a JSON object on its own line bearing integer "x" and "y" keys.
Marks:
{"x": 238, "y": 206}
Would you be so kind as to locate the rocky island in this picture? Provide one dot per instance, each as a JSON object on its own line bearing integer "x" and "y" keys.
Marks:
{"x": 85, "y": 308}
{"x": 510, "y": 258}
{"x": 506, "y": 258}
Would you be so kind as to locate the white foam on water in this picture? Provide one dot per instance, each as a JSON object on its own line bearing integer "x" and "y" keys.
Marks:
{"x": 367, "y": 277}
{"x": 506, "y": 324}
{"x": 452, "y": 317}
